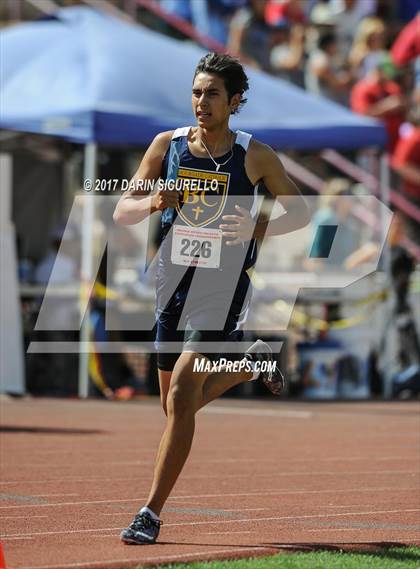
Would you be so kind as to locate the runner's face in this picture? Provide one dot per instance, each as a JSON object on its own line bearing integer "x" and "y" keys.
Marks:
{"x": 210, "y": 101}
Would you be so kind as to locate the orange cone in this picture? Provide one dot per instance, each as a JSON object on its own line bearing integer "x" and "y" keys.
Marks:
{"x": 2, "y": 559}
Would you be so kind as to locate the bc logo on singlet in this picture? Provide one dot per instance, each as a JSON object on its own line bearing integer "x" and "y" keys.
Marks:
{"x": 202, "y": 201}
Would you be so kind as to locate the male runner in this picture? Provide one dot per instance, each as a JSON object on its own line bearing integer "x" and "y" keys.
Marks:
{"x": 202, "y": 283}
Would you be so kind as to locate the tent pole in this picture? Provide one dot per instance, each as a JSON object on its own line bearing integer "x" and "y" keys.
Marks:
{"x": 384, "y": 184}
{"x": 89, "y": 172}
{"x": 12, "y": 368}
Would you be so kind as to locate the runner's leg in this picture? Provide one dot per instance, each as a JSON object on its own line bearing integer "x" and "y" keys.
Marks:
{"x": 184, "y": 396}
{"x": 215, "y": 385}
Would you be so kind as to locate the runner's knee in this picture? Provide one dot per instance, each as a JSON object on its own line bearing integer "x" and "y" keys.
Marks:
{"x": 183, "y": 395}
{"x": 180, "y": 402}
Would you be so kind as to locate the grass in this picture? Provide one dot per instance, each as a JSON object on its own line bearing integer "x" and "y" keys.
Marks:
{"x": 389, "y": 558}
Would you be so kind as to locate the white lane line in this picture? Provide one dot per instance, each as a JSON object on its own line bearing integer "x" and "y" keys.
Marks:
{"x": 368, "y": 455}
{"x": 128, "y": 450}
{"x": 51, "y": 495}
{"x": 290, "y": 492}
{"x": 6, "y": 537}
{"x": 284, "y": 459}
{"x": 294, "y": 517}
{"x": 106, "y": 536}
{"x": 257, "y": 412}
{"x": 57, "y": 504}
{"x": 53, "y": 480}
{"x": 18, "y": 538}
{"x": 203, "y": 533}
{"x": 227, "y": 510}
{"x": 223, "y": 532}
{"x": 85, "y": 464}
{"x": 243, "y": 521}
{"x": 69, "y": 480}
{"x": 21, "y": 517}
{"x": 300, "y": 473}
{"x": 167, "y": 559}
{"x": 337, "y": 529}
{"x": 115, "y": 513}
{"x": 230, "y": 495}
{"x": 214, "y": 476}
{"x": 355, "y": 506}
{"x": 196, "y": 512}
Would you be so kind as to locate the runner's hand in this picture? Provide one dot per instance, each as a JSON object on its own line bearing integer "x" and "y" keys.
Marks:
{"x": 165, "y": 198}
{"x": 241, "y": 230}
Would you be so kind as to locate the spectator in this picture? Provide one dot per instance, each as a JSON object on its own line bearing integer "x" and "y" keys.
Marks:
{"x": 209, "y": 17}
{"x": 322, "y": 13}
{"x": 286, "y": 57}
{"x": 406, "y": 162}
{"x": 322, "y": 76}
{"x": 378, "y": 96}
{"x": 406, "y": 50}
{"x": 289, "y": 11}
{"x": 251, "y": 36}
{"x": 406, "y": 47}
{"x": 406, "y": 158}
{"x": 348, "y": 15}
{"x": 370, "y": 39}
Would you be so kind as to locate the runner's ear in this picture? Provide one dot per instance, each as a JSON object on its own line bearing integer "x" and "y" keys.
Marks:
{"x": 234, "y": 102}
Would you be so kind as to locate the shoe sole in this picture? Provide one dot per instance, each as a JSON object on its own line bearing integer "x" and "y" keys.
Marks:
{"x": 129, "y": 541}
{"x": 268, "y": 352}
{"x": 267, "y": 382}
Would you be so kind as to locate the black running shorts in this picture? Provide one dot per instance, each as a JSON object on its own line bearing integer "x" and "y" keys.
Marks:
{"x": 206, "y": 319}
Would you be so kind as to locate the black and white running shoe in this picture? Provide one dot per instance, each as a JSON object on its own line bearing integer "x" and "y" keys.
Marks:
{"x": 142, "y": 530}
{"x": 272, "y": 379}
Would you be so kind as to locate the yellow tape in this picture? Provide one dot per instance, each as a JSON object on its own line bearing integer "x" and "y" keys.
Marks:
{"x": 303, "y": 319}
{"x": 101, "y": 291}
{"x": 96, "y": 373}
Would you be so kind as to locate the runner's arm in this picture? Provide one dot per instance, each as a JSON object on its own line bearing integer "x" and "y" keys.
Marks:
{"x": 137, "y": 203}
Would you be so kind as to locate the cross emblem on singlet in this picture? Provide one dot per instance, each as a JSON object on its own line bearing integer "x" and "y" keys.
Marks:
{"x": 197, "y": 210}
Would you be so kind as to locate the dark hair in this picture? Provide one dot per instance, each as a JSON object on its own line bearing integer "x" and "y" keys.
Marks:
{"x": 326, "y": 40}
{"x": 230, "y": 70}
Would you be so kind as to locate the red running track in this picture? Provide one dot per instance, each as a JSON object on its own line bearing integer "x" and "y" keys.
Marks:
{"x": 262, "y": 477}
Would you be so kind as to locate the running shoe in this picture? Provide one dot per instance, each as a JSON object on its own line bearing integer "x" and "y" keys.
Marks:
{"x": 273, "y": 380}
{"x": 142, "y": 530}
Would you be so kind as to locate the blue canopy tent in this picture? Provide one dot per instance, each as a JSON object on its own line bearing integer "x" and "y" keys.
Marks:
{"x": 86, "y": 76}
{"x": 93, "y": 79}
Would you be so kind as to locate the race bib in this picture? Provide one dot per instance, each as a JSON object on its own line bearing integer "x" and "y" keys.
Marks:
{"x": 199, "y": 247}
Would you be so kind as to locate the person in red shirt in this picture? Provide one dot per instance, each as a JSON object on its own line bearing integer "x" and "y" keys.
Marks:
{"x": 407, "y": 45}
{"x": 406, "y": 162}
{"x": 406, "y": 158}
{"x": 377, "y": 96}
{"x": 290, "y": 12}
